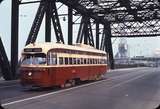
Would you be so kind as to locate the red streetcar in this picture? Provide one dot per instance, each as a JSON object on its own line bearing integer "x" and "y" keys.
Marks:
{"x": 55, "y": 64}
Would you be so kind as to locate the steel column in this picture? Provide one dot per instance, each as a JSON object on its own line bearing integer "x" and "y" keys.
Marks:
{"x": 81, "y": 31}
{"x": 90, "y": 34}
{"x": 102, "y": 46}
{"x": 1, "y": 1}
{"x": 48, "y": 21}
{"x": 56, "y": 23}
{"x": 86, "y": 31}
{"x": 4, "y": 63}
{"x": 14, "y": 36}
{"x": 108, "y": 44}
{"x": 97, "y": 35}
{"x": 36, "y": 24}
{"x": 70, "y": 26}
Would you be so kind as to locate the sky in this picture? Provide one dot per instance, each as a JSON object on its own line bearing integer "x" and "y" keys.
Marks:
{"x": 136, "y": 46}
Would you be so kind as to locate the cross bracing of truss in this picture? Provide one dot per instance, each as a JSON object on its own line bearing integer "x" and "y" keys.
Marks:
{"x": 136, "y": 29}
{"x": 127, "y": 18}
{"x": 116, "y": 10}
{"x": 120, "y": 18}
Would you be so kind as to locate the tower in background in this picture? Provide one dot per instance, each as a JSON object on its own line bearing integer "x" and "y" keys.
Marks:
{"x": 123, "y": 49}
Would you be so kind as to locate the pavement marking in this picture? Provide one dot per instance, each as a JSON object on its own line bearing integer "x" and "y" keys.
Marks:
{"x": 52, "y": 93}
{"x": 126, "y": 69}
{"x": 65, "y": 90}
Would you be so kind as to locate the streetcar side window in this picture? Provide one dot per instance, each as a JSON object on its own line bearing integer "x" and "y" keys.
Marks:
{"x": 85, "y": 61}
{"x": 70, "y": 60}
{"x": 94, "y": 61}
{"x": 78, "y": 61}
{"x": 101, "y": 61}
{"x": 90, "y": 61}
{"x": 74, "y": 60}
{"x": 98, "y": 61}
{"x": 81, "y": 60}
{"x": 66, "y": 60}
{"x": 60, "y": 60}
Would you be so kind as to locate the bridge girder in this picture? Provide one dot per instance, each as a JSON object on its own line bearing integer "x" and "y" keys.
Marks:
{"x": 126, "y": 18}
{"x": 5, "y": 65}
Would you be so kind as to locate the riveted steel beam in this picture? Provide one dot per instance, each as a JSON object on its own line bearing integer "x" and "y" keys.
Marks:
{"x": 4, "y": 63}
{"x": 48, "y": 13}
{"x": 70, "y": 26}
{"x": 56, "y": 23}
{"x": 108, "y": 44}
{"x": 14, "y": 36}
{"x": 36, "y": 24}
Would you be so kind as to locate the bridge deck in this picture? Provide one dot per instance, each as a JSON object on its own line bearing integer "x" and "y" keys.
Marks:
{"x": 121, "y": 89}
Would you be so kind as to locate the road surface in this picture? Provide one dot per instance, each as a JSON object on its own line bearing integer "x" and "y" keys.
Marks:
{"x": 136, "y": 88}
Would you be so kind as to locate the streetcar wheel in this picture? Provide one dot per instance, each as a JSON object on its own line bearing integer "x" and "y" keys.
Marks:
{"x": 98, "y": 77}
{"x": 62, "y": 86}
{"x": 73, "y": 82}
{"x": 77, "y": 81}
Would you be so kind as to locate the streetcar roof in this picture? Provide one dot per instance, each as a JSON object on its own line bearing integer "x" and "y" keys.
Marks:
{"x": 46, "y": 46}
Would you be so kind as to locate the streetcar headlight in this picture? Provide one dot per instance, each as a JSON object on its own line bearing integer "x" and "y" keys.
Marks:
{"x": 30, "y": 73}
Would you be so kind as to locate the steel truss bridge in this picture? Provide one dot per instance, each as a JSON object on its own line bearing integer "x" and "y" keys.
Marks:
{"x": 116, "y": 18}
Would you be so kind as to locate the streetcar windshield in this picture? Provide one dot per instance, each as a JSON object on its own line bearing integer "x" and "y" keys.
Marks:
{"x": 34, "y": 59}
